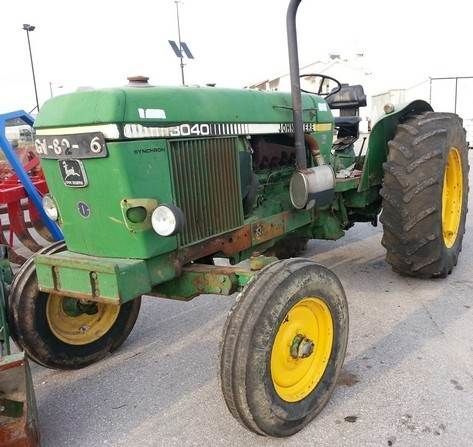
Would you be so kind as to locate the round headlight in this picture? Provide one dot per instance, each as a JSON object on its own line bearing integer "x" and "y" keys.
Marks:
{"x": 50, "y": 207}
{"x": 167, "y": 220}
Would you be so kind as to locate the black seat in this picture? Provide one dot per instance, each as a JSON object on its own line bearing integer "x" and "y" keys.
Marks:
{"x": 349, "y": 97}
{"x": 348, "y": 100}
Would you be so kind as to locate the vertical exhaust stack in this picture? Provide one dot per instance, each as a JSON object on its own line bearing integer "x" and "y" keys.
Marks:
{"x": 301, "y": 160}
{"x": 314, "y": 186}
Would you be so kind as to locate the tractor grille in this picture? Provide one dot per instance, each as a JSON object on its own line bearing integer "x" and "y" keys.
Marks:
{"x": 206, "y": 186}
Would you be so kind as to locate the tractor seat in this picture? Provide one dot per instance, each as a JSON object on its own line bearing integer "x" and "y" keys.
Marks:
{"x": 344, "y": 121}
{"x": 348, "y": 100}
{"x": 349, "y": 97}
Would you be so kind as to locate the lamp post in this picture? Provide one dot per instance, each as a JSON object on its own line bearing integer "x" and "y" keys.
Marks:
{"x": 180, "y": 44}
{"x": 29, "y": 28}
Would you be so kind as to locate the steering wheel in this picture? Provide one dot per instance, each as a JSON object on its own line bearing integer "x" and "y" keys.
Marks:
{"x": 321, "y": 84}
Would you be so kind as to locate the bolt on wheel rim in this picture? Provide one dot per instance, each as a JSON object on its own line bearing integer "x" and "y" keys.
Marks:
{"x": 452, "y": 195}
{"x": 301, "y": 349}
{"x": 76, "y": 323}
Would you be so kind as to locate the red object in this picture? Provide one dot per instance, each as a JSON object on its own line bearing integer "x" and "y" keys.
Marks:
{"x": 14, "y": 203}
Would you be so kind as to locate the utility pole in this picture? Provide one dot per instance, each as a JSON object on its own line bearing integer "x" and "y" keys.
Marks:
{"x": 180, "y": 48}
{"x": 29, "y": 28}
{"x": 180, "y": 44}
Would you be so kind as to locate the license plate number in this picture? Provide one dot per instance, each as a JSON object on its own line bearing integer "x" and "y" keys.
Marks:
{"x": 84, "y": 145}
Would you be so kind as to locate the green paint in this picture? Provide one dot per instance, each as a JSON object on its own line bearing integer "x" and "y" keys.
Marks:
{"x": 327, "y": 225}
{"x": 180, "y": 104}
{"x": 128, "y": 173}
{"x": 6, "y": 277}
{"x": 354, "y": 199}
{"x": 114, "y": 255}
{"x": 198, "y": 279}
{"x": 382, "y": 132}
{"x": 10, "y": 408}
{"x": 112, "y": 280}
{"x": 347, "y": 184}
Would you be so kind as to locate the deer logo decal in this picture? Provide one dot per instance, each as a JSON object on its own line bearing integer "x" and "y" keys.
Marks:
{"x": 69, "y": 171}
{"x": 73, "y": 173}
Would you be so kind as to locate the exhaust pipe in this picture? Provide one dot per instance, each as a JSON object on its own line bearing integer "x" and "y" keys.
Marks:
{"x": 314, "y": 186}
{"x": 301, "y": 160}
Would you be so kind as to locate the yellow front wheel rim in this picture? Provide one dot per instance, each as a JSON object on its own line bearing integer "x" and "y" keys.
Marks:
{"x": 78, "y": 323}
{"x": 301, "y": 349}
{"x": 452, "y": 195}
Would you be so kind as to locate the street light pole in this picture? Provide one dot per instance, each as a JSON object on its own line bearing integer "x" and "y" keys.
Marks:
{"x": 29, "y": 28}
{"x": 180, "y": 44}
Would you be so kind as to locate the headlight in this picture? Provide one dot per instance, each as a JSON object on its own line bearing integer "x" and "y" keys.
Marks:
{"x": 167, "y": 220}
{"x": 50, "y": 207}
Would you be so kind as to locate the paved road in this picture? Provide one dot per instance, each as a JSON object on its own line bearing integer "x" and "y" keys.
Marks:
{"x": 407, "y": 381}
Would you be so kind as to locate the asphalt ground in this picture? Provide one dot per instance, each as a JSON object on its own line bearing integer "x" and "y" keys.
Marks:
{"x": 407, "y": 378}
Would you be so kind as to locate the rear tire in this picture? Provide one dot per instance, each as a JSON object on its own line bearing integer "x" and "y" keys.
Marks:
{"x": 269, "y": 388}
{"x": 425, "y": 184}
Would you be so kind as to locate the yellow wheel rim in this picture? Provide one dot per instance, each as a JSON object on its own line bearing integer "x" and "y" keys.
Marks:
{"x": 296, "y": 369}
{"x": 78, "y": 323}
{"x": 452, "y": 195}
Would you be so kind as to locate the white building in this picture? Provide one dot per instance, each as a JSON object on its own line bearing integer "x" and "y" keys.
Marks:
{"x": 441, "y": 93}
{"x": 444, "y": 94}
{"x": 347, "y": 70}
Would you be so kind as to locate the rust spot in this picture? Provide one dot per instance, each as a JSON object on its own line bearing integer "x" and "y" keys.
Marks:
{"x": 18, "y": 424}
{"x": 268, "y": 229}
{"x": 82, "y": 296}
{"x": 227, "y": 244}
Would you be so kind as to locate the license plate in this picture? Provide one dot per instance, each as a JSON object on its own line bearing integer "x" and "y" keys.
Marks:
{"x": 83, "y": 145}
{"x": 73, "y": 173}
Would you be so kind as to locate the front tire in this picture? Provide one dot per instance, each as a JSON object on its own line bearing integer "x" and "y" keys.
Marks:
{"x": 283, "y": 347}
{"x": 63, "y": 333}
{"x": 425, "y": 195}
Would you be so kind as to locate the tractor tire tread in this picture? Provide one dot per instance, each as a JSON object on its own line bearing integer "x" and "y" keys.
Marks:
{"x": 412, "y": 194}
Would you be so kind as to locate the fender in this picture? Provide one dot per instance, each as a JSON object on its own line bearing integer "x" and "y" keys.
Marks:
{"x": 383, "y": 131}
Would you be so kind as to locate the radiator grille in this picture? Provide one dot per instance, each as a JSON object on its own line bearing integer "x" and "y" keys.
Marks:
{"x": 205, "y": 176}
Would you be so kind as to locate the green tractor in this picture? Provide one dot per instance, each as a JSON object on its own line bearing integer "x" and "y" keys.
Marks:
{"x": 150, "y": 184}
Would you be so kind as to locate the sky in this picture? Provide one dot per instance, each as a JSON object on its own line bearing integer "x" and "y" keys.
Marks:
{"x": 235, "y": 43}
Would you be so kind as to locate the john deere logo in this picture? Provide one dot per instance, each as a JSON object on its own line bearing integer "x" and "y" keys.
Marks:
{"x": 73, "y": 173}
{"x": 84, "y": 209}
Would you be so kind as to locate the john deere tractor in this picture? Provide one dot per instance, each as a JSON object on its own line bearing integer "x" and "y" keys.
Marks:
{"x": 150, "y": 184}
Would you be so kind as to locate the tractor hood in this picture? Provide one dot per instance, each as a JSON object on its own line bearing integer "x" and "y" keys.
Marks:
{"x": 161, "y": 106}
{"x": 106, "y": 152}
